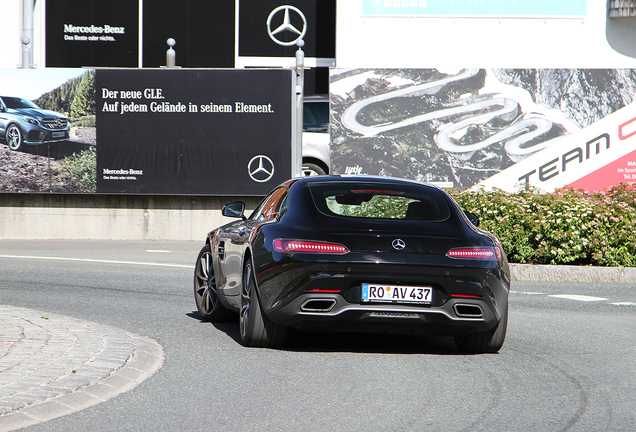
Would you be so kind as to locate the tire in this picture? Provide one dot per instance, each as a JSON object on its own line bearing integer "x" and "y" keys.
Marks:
{"x": 489, "y": 341}
{"x": 310, "y": 169}
{"x": 13, "y": 137}
{"x": 205, "y": 293}
{"x": 256, "y": 329}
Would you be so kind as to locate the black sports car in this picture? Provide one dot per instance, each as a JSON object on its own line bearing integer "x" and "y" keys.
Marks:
{"x": 355, "y": 254}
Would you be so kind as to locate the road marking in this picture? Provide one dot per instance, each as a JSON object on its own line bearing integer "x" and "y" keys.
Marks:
{"x": 575, "y": 297}
{"x": 157, "y": 251}
{"x": 96, "y": 261}
{"x": 583, "y": 298}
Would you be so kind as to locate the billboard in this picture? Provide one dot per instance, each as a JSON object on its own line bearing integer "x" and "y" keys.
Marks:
{"x": 92, "y": 33}
{"x": 139, "y": 131}
{"x": 475, "y": 8}
{"x": 124, "y": 33}
{"x": 215, "y": 131}
{"x": 499, "y": 128}
{"x": 203, "y": 31}
{"x": 267, "y": 31}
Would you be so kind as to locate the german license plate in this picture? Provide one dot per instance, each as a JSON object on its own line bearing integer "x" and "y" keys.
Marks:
{"x": 397, "y": 293}
{"x": 58, "y": 134}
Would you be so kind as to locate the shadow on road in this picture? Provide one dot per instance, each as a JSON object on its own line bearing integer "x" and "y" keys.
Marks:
{"x": 350, "y": 342}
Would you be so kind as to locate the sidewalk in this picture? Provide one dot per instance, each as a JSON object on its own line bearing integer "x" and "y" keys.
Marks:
{"x": 582, "y": 274}
{"x": 52, "y": 365}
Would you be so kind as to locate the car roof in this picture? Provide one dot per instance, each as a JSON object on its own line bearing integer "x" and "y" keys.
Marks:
{"x": 364, "y": 178}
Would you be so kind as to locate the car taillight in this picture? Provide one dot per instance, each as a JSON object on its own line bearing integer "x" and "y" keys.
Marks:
{"x": 281, "y": 245}
{"x": 480, "y": 253}
{"x": 498, "y": 251}
{"x": 375, "y": 191}
{"x": 460, "y": 295}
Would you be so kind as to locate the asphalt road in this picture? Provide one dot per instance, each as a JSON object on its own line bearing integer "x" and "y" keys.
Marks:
{"x": 568, "y": 362}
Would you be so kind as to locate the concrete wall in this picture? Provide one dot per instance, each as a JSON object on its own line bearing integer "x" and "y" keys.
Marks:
{"x": 39, "y": 216}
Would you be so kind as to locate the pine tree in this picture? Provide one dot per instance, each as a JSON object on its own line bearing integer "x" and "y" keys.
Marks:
{"x": 84, "y": 100}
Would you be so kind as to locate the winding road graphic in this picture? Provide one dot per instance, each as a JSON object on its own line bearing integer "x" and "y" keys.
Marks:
{"x": 520, "y": 132}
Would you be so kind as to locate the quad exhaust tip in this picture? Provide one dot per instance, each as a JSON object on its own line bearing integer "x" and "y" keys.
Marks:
{"x": 318, "y": 305}
{"x": 468, "y": 310}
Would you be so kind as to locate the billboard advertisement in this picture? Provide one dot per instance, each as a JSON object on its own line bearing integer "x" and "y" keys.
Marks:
{"x": 138, "y": 131}
{"x": 92, "y": 33}
{"x": 268, "y": 30}
{"x": 501, "y": 128}
{"x": 475, "y": 8}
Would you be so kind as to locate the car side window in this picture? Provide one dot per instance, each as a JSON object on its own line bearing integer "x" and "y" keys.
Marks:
{"x": 272, "y": 206}
{"x": 282, "y": 206}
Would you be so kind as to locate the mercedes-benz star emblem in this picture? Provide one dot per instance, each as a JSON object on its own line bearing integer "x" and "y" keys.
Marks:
{"x": 278, "y": 34}
{"x": 398, "y": 244}
{"x": 260, "y": 168}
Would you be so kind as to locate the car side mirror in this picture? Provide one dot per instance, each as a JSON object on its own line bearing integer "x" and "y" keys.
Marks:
{"x": 234, "y": 209}
{"x": 472, "y": 217}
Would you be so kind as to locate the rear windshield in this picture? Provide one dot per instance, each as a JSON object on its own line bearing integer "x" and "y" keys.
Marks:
{"x": 379, "y": 201}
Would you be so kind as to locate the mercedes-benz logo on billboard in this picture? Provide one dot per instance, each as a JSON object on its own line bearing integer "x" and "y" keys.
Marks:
{"x": 398, "y": 244}
{"x": 260, "y": 168}
{"x": 283, "y": 14}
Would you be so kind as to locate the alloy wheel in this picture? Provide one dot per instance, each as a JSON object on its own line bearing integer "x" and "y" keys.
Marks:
{"x": 14, "y": 137}
{"x": 206, "y": 290}
{"x": 246, "y": 291}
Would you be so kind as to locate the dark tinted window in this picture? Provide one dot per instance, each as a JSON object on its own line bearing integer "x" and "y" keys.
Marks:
{"x": 316, "y": 116}
{"x": 380, "y": 201}
{"x": 15, "y": 103}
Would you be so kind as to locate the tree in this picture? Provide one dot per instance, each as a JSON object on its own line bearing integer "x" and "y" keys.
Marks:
{"x": 84, "y": 101}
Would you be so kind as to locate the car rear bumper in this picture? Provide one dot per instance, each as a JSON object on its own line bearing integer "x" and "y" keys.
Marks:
{"x": 331, "y": 312}
{"x": 328, "y": 296}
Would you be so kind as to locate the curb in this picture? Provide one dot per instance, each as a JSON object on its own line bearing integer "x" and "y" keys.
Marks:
{"x": 53, "y": 365}
{"x": 562, "y": 273}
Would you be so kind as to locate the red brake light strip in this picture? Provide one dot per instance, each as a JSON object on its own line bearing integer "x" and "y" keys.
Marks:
{"x": 487, "y": 253}
{"x": 281, "y": 245}
{"x": 373, "y": 191}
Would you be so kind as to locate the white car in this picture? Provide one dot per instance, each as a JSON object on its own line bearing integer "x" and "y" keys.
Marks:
{"x": 316, "y": 157}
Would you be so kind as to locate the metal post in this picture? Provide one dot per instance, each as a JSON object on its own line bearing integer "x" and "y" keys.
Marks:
{"x": 27, "y": 33}
{"x": 171, "y": 55}
{"x": 297, "y": 149}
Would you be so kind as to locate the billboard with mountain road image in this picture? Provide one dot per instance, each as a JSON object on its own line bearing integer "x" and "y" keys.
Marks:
{"x": 493, "y": 127}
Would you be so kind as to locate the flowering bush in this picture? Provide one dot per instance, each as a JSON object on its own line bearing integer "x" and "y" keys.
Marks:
{"x": 567, "y": 227}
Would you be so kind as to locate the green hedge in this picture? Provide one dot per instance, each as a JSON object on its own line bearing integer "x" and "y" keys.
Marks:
{"x": 567, "y": 227}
